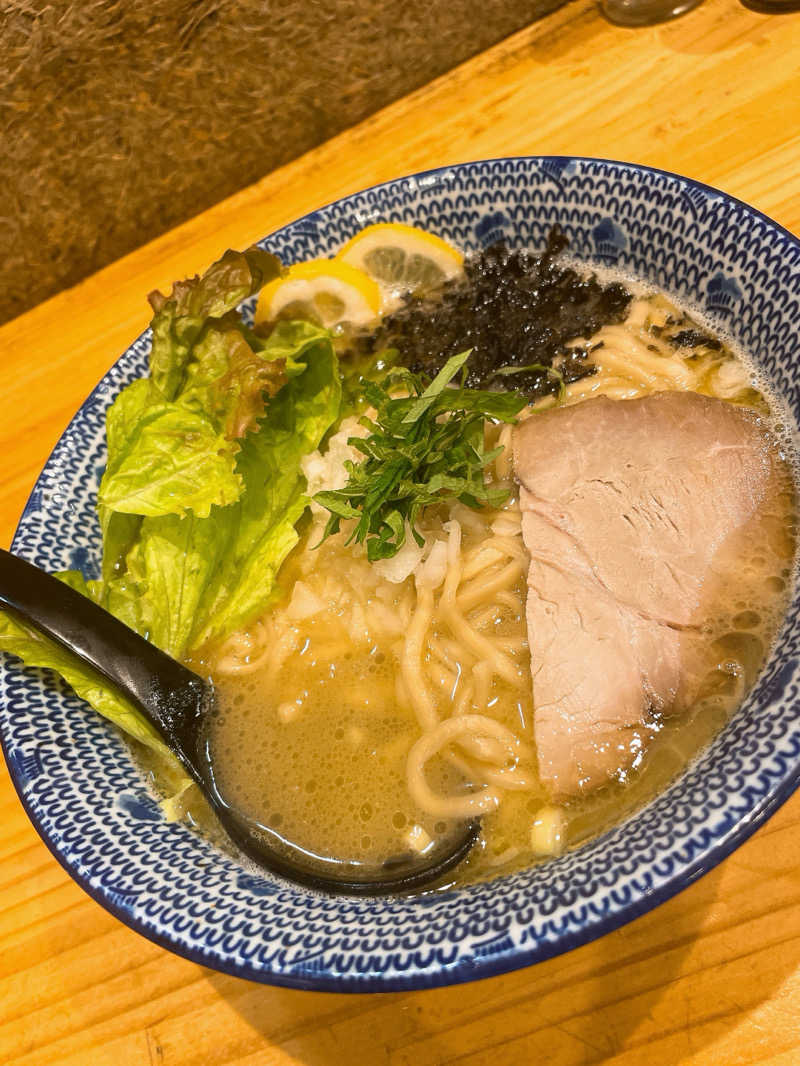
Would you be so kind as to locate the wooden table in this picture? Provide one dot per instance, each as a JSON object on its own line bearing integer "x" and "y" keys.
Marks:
{"x": 712, "y": 977}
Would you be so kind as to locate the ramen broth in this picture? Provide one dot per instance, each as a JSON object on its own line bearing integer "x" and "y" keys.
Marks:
{"x": 352, "y": 717}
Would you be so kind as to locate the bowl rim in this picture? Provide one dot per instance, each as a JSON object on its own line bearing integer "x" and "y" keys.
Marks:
{"x": 489, "y": 966}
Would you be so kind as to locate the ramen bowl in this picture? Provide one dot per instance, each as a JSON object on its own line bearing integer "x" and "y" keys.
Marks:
{"x": 83, "y": 792}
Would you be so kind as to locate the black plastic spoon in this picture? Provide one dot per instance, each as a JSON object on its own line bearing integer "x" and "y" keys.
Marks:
{"x": 177, "y": 702}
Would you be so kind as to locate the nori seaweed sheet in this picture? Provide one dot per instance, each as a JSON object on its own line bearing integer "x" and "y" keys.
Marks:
{"x": 513, "y": 308}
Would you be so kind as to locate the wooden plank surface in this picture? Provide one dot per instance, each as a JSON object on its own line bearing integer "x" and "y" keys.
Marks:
{"x": 713, "y": 976}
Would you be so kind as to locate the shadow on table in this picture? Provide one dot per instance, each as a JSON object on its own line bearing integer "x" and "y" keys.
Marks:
{"x": 632, "y": 987}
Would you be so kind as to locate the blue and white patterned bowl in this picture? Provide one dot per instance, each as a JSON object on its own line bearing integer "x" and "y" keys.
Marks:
{"x": 83, "y": 793}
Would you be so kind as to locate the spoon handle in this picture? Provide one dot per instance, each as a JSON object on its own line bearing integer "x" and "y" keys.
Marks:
{"x": 167, "y": 693}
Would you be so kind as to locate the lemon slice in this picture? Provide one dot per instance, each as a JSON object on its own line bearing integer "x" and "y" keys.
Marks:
{"x": 325, "y": 291}
{"x": 401, "y": 258}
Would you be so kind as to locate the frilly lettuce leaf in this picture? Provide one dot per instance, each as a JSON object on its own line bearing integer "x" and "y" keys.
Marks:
{"x": 123, "y": 418}
{"x": 290, "y": 340}
{"x": 172, "y": 565}
{"x": 180, "y": 318}
{"x": 126, "y": 415}
{"x": 186, "y": 580}
{"x": 176, "y": 461}
{"x": 173, "y": 457}
{"x": 36, "y": 650}
{"x": 230, "y": 380}
{"x": 274, "y": 498}
{"x": 203, "y": 487}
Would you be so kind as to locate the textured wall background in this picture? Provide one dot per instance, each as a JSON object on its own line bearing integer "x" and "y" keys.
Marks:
{"x": 121, "y": 118}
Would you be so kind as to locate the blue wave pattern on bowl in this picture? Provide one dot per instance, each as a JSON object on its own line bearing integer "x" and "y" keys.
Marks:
{"x": 82, "y": 790}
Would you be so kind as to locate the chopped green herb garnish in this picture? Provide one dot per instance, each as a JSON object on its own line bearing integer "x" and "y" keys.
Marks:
{"x": 424, "y": 448}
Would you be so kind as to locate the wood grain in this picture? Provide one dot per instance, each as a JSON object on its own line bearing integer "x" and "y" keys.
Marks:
{"x": 713, "y": 976}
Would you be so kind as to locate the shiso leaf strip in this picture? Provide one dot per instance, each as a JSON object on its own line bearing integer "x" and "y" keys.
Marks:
{"x": 424, "y": 447}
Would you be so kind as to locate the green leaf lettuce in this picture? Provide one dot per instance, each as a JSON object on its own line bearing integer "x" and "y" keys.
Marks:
{"x": 203, "y": 485}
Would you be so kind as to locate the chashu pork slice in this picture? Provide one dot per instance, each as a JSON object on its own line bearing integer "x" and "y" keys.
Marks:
{"x": 627, "y": 509}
